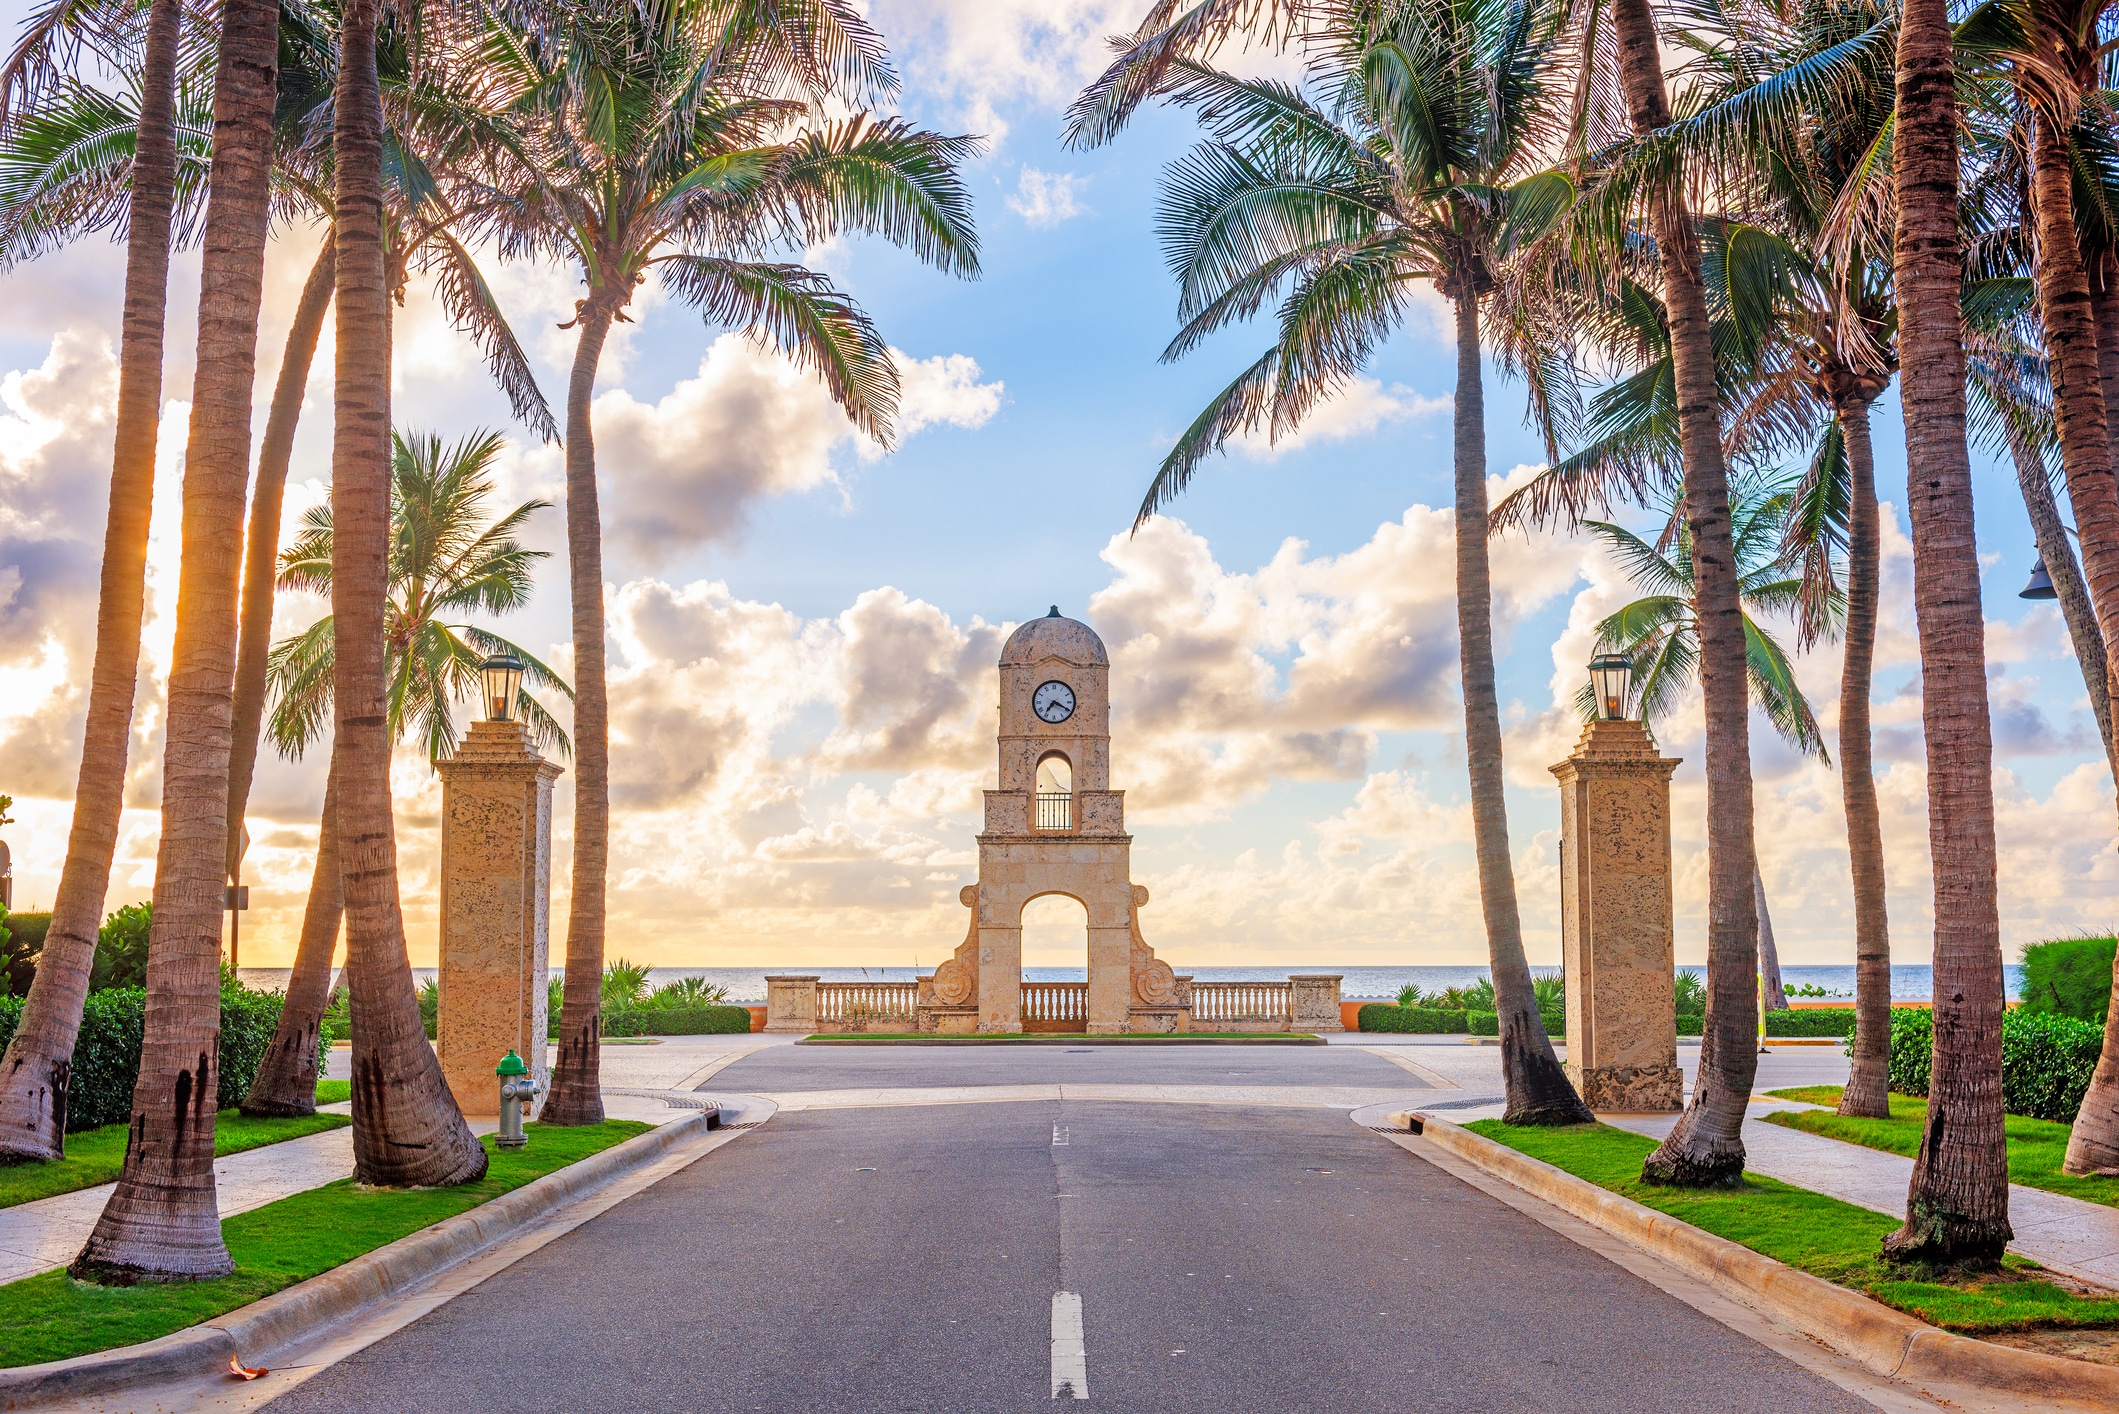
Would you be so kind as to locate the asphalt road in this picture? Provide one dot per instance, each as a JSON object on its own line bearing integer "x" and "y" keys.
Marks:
{"x": 908, "y": 1258}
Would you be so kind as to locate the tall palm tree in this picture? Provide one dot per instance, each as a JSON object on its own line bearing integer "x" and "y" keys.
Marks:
{"x": 1707, "y": 1145}
{"x": 1393, "y": 167}
{"x": 38, "y": 1062}
{"x": 407, "y": 1129}
{"x": 445, "y": 559}
{"x": 681, "y": 140}
{"x": 436, "y": 121}
{"x": 162, "y": 1222}
{"x": 1957, "y": 1206}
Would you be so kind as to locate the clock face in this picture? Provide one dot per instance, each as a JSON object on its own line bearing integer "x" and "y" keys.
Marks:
{"x": 1053, "y": 702}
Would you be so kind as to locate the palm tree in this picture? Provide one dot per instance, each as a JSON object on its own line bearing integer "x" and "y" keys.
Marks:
{"x": 1707, "y": 1145}
{"x": 162, "y": 1222}
{"x": 1660, "y": 631}
{"x": 445, "y": 559}
{"x": 407, "y": 1129}
{"x": 686, "y": 148}
{"x": 1397, "y": 169}
{"x": 38, "y": 1061}
{"x": 435, "y": 122}
{"x": 1957, "y": 1206}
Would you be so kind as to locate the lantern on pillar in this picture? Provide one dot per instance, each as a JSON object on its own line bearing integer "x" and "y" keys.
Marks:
{"x": 1611, "y": 676}
{"x": 500, "y": 678}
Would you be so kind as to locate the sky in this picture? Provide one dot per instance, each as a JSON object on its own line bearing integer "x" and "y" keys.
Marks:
{"x": 804, "y": 627}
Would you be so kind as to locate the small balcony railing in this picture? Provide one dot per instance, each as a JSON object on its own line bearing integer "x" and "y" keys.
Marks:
{"x": 1055, "y": 810}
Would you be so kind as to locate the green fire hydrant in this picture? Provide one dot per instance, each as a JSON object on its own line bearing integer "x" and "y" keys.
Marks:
{"x": 516, "y": 1090}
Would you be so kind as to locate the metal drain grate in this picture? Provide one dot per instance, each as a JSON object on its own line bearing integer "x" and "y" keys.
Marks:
{"x": 747, "y": 1124}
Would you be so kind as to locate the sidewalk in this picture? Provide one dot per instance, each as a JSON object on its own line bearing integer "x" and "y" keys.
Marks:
{"x": 35, "y": 1237}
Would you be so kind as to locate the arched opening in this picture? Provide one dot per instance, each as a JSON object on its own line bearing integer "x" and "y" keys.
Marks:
{"x": 1055, "y": 964}
{"x": 1055, "y": 792}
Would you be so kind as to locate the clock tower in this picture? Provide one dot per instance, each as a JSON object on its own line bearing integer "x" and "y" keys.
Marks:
{"x": 1055, "y": 826}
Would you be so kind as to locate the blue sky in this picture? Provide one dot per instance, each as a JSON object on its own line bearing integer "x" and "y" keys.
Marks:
{"x": 804, "y": 632}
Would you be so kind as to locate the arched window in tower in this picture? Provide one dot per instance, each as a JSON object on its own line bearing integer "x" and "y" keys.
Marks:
{"x": 1055, "y": 792}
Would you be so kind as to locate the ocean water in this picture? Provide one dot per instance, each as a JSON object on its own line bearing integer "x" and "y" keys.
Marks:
{"x": 1910, "y": 982}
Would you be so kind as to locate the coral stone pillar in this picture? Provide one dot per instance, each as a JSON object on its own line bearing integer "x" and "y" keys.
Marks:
{"x": 1622, "y": 1045}
{"x": 496, "y": 888}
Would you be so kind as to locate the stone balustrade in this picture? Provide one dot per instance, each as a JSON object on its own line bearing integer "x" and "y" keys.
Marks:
{"x": 802, "y": 1003}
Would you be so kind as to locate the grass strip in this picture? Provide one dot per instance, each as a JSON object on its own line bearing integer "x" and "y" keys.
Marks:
{"x": 2037, "y": 1147}
{"x": 53, "y": 1317}
{"x": 1816, "y": 1234}
{"x": 333, "y": 1092}
{"x": 98, "y": 1155}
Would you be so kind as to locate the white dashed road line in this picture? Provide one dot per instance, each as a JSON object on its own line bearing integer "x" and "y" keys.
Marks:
{"x": 1070, "y": 1358}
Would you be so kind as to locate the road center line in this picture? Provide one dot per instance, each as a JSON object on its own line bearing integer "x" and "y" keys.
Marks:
{"x": 1070, "y": 1358}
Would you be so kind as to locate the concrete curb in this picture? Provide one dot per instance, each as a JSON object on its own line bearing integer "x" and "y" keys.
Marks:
{"x": 301, "y": 1310}
{"x": 1888, "y": 1342}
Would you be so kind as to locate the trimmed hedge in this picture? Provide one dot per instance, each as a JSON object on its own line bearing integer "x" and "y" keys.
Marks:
{"x": 2069, "y": 977}
{"x": 1411, "y": 1020}
{"x": 20, "y": 943}
{"x": 107, "y": 1052}
{"x": 2046, "y": 1061}
{"x": 1818, "y": 1021}
{"x": 1487, "y": 1023}
{"x": 677, "y": 1021}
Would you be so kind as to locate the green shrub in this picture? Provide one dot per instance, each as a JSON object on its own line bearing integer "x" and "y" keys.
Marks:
{"x": 1912, "y": 1047}
{"x": 21, "y": 940}
{"x": 677, "y": 1021}
{"x": 1690, "y": 1023}
{"x": 121, "y": 951}
{"x": 2069, "y": 977}
{"x": 1486, "y": 1023}
{"x": 624, "y": 983}
{"x": 107, "y": 1052}
{"x": 686, "y": 992}
{"x": 1817, "y": 1021}
{"x": 430, "y": 1007}
{"x": 2046, "y": 1063}
{"x": 1410, "y": 1020}
{"x": 2046, "y": 1060}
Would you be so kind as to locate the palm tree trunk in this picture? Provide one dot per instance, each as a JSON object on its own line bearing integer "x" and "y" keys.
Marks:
{"x": 1707, "y": 1146}
{"x": 2086, "y": 457}
{"x": 2050, "y": 534}
{"x": 1957, "y": 1207}
{"x": 285, "y": 1084}
{"x": 1771, "y": 996}
{"x": 577, "y": 1087}
{"x": 1868, "y": 1077}
{"x": 407, "y": 1130}
{"x": 261, "y": 555}
{"x": 162, "y": 1222}
{"x": 39, "y": 1061}
{"x": 2103, "y": 268}
{"x": 1537, "y": 1088}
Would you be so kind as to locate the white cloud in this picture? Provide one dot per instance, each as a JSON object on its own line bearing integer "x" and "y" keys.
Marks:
{"x": 684, "y": 471}
{"x": 943, "y": 389}
{"x": 1045, "y": 199}
{"x": 1357, "y": 410}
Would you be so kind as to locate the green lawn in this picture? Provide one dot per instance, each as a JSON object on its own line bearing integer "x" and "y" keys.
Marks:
{"x": 2036, "y": 1146}
{"x": 333, "y": 1092}
{"x": 52, "y": 1316}
{"x": 96, "y": 1155}
{"x": 1820, "y": 1235}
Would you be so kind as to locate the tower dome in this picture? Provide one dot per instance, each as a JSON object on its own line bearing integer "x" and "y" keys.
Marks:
{"x": 1054, "y": 637}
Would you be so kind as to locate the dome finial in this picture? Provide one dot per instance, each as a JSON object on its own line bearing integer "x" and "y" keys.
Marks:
{"x": 1055, "y": 612}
